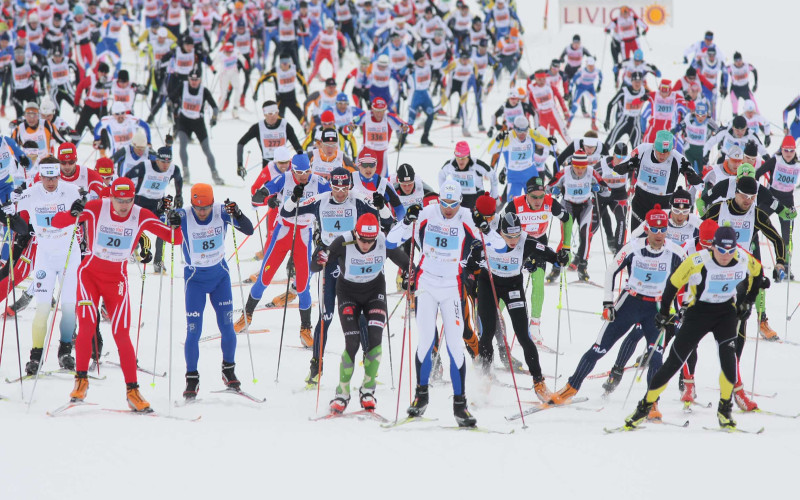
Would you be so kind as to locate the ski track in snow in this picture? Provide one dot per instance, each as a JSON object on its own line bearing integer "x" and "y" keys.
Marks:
{"x": 242, "y": 448}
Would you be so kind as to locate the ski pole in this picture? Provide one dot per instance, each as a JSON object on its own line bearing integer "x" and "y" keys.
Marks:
{"x": 241, "y": 293}
{"x": 637, "y": 376}
{"x": 141, "y": 301}
{"x": 246, "y": 238}
{"x": 58, "y": 299}
{"x": 566, "y": 296}
{"x": 14, "y": 296}
{"x": 389, "y": 339}
{"x": 171, "y": 309}
{"x": 321, "y": 333}
{"x": 600, "y": 227}
{"x": 158, "y": 316}
{"x": 286, "y": 302}
{"x": 502, "y": 324}
{"x": 788, "y": 279}
{"x": 562, "y": 278}
{"x": 406, "y": 321}
{"x": 5, "y": 312}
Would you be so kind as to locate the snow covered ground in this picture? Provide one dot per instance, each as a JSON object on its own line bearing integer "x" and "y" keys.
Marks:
{"x": 271, "y": 449}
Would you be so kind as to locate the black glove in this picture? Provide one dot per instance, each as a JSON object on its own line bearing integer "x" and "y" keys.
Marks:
{"x": 272, "y": 201}
{"x": 26, "y": 162}
{"x": 552, "y": 140}
{"x": 164, "y": 204}
{"x": 169, "y": 140}
{"x": 606, "y": 124}
{"x": 743, "y": 310}
{"x": 705, "y": 159}
{"x": 213, "y": 121}
{"x": 663, "y": 321}
{"x": 609, "y": 314}
{"x": 562, "y": 257}
{"x": 684, "y": 163}
{"x": 241, "y": 171}
{"x": 174, "y": 219}
{"x": 408, "y": 281}
{"x": 412, "y": 214}
{"x": 178, "y": 200}
{"x": 501, "y": 136}
{"x": 755, "y": 87}
{"x": 297, "y": 192}
{"x": 685, "y": 60}
{"x": 599, "y": 84}
{"x": 480, "y": 222}
{"x": 19, "y": 189}
{"x": 77, "y": 207}
{"x": 767, "y": 140}
{"x": 76, "y": 109}
{"x": 765, "y": 283}
{"x": 529, "y": 264}
{"x": 378, "y": 200}
{"x": 233, "y": 209}
{"x": 260, "y": 195}
{"x": 490, "y": 132}
{"x": 502, "y": 177}
{"x": 634, "y": 162}
{"x": 144, "y": 249}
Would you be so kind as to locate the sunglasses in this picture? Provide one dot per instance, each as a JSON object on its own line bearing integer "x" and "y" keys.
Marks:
{"x": 658, "y": 230}
{"x": 366, "y": 240}
{"x": 537, "y": 197}
{"x": 681, "y": 211}
{"x": 521, "y": 130}
{"x": 725, "y": 251}
{"x": 73, "y": 162}
{"x": 748, "y": 196}
{"x": 467, "y": 156}
{"x": 788, "y": 150}
{"x": 205, "y": 207}
{"x": 124, "y": 201}
{"x": 621, "y": 157}
{"x": 339, "y": 189}
{"x": 449, "y": 204}
{"x": 367, "y": 165}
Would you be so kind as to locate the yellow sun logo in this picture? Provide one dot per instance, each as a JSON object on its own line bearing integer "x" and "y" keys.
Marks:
{"x": 655, "y": 15}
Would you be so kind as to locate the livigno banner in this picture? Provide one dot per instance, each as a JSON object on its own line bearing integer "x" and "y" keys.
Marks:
{"x": 600, "y": 13}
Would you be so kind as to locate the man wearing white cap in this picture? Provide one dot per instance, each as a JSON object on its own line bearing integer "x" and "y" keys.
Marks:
{"x": 445, "y": 233}
{"x": 118, "y": 130}
{"x": 272, "y": 133}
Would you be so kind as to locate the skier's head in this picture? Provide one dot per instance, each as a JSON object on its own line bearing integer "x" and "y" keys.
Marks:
{"x": 327, "y": 118}
{"x": 701, "y": 111}
{"x": 737, "y": 59}
{"x": 340, "y": 181}
{"x": 624, "y": 11}
{"x": 49, "y": 171}
{"x": 270, "y": 109}
{"x": 637, "y": 79}
{"x": 364, "y": 62}
{"x": 57, "y": 53}
{"x": 382, "y": 62}
{"x": 711, "y": 54}
{"x": 580, "y": 162}
{"x": 187, "y": 42}
{"x": 746, "y": 192}
{"x": 656, "y": 224}
{"x": 735, "y": 157}
{"x": 378, "y": 108}
{"x": 691, "y": 73}
{"x": 590, "y": 142}
{"x": 367, "y": 230}
{"x": 620, "y": 153}
{"x": 202, "y": 198}
{"x": 405, "y": 178}
{"x": 31, "y": 109}
{"x": 105, "y": 167}
{"x": 590, "y": 62}
{"x": 396, "y": 40}
{"x": 510, "y": 229}
{"x": 123, "y": 78}
{"x": 535, "y": 192}
{"x": 707, "y": 229}
{"x": 739, "y": 125}
{"x": 47, "y": 108}
{"x": 119, "y": 111}
{"x": 749, "y": 108}
{"x": 122, "y": 191}
{"x": 709, "y": 37}
{"x": 367, "y": 164}
{"x": 541, "y": 77}
{"x": 680, "y": 206}
{"x": 576, "y": 41}
{"x": 228, "y": 48}
{"x": 330, "y": 86}
{"x": 78, "y": 12}
{"x": 521, "y": 127}
{"x": 788, "y": 148}
{"x": 195, "y": 77}
{"x": 139, "y": 142}
{"x": 428, "y": 12}
{"x": 663, "y": 144}
{"x": 450, "y": 198}
{"x": 638, "y": 55}
{"x": 438, "y": 35}
{"x": 342, "y": 102}
{"x": 725, "y": 244}
{"x": 665, "y": 87}
{"x": 513, "y": 97}
{"x": 301, "y": 168}
{"x": 68, "y": 158}
{"x": 329, "y": 143}
{"x": 19, "y": 52}
{"x": 164, "y": 158}
{"x": 462, "y": 154}
{"x": 162, "y": 34}
{"x": 282, "y": 158}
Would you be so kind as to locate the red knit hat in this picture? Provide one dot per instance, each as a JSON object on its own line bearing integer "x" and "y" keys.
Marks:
{"x": 327, "y": 117}
{"x": 656, "y": 217}
{"x": 104, "y": 167}
{"x": 67, "y": 152}
{"x": 788, "y": 142}
{"x": 579, "y": 159}
{"x": 707, "y": 230}
{"x": 123, "y": 187}
{"x": 367, "y": 226}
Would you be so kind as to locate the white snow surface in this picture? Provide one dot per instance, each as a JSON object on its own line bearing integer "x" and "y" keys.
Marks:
{"x": 271, "y": 450}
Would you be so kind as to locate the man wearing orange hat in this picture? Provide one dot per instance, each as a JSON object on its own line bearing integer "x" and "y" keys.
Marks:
{"x": 113, "y": 227}
{"x": 206, "y": 272}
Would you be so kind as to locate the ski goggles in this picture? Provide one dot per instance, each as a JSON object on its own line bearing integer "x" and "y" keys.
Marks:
{"x": 203, "y": 208}
{"x": 788, "y": 150}
{"x": 449, "y": 204}
{"x": 725, "y": 251}
{"x": 521, "y": 131}
{"x": 536, "y": 196}
{"x": 339, "y": 189}
{"x": 681, "y": 211}
{"x": 658, "y": 230}
{"x": 748, "y": 196}
{"x": 68, "y": 162}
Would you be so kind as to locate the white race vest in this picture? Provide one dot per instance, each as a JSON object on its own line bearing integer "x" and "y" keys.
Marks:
{"x": 206, "y": 242}
{"x": 742, "y": 224}
{"x": 364, "y": 267}
{"x": 114, "y": 241}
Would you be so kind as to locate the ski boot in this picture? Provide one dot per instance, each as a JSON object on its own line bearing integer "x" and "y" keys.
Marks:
{"x": 219, "y": 181}
{"x": 306, "y": 336}
{"x": 159, "y": 268}
{"x": 582, "y": 274}
{"x": 32, "y": 366}
{"x": 465, "y": 132}
{"x": 81, "y": 387}
{"x": 367, "y": 399}
{"x": 420, "y": 404}
{"x": 312, "y": 379}
{"x": 742, "y": 401}
{"x": 614, "y": 378}
{"x": 20, "y": 304}
{"x": 229, "y": 377}
{"x": 555, "y": 273}
{"x": 463, "y": 417}
{"x": 192, "y": 386}
{"x": 562, "y": 396}
{"x": 65, "y": 359}
{"x": 639, "y": 415}
{"x": 541, "y": 390}
{"x": 284, "y": 298}
{"x": 246, "y": 318}
{"x": 654, "y": 415}
{"x": 235, "y": 112}
{"x": 688, "y": 394}
{"x": 339, "y": 404}
{"x": 533, "y": 331}
{"x": 135, "y": 400}
{"x": 766, "y": 332}
{"x": 481, "y": 129}
{"x": 484, "y": 360}
{"x": 724, "y": 410}
{"x": 425, "y": 141}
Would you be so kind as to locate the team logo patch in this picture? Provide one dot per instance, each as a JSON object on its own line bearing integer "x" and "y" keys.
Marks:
{"x": 40, "y": 274}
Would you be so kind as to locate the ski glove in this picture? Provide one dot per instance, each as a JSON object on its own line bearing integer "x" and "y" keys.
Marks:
{"x": 241, "y": 171}
{"x": 480, "y": 222}
{"x": 297, "y": 192}
{"x": 174, "y": 219}
{"x": 788, "y": 213}
{"x": 562, "y": 257}
{"x": 767, "y": 140}
{"x": 322, "y": 257}
{"x": 144, "y": 249}
{"x": 77, "y": 207}
{"x": 164, "y": 204}
{"x": 178, "y": 200}
{"x": 9, "y": 209}
{"x": 502, "y": 177}
{"x": 378, "y": 200}
{"x": 743, "y": 310}
{"x": 609, "y": 314}
{"x": 273, "y": 201}
{"x": 260, "y": 195}
{"x": 663, "y": 321}
{"x": 555, "y": 190}
{"x": 412, "y": 214}
{"x": 233, "y": 209}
